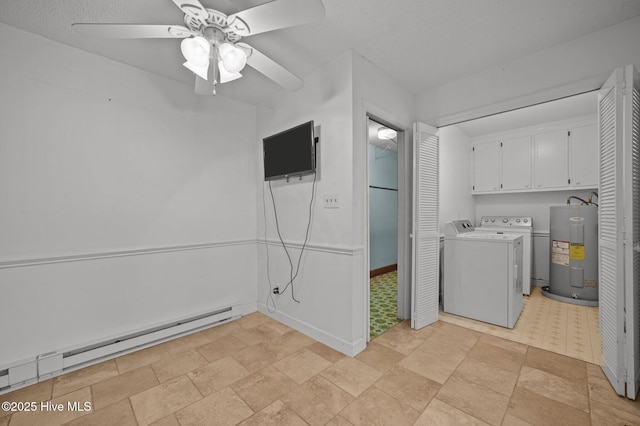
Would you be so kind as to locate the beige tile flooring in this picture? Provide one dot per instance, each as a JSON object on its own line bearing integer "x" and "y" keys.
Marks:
{"x": 545, "y": 323}
{"x": 256, "y": 371}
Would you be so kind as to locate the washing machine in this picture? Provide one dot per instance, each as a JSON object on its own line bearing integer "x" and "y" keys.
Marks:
{"x": 482, "y": 274}
{"x": 522, "y": 225}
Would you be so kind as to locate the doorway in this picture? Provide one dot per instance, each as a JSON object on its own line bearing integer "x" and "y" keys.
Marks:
{"x": 384, "y": 279}
{"x": 567, "y": 330}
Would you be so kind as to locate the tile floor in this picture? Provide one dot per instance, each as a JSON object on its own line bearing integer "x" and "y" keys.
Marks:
{"x": 256, "y": 371}
{"x": 545, "y": 323}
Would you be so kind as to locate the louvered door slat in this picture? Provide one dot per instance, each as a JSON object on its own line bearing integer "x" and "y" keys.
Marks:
{"x": 426, "y": 240}
{"x": 632, "y": 226}
{"x": 611, "y": 266}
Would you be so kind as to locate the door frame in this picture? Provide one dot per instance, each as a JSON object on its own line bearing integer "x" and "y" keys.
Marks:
{"x": 404, "y": 208}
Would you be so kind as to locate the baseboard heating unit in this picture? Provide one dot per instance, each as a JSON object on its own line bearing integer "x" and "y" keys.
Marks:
{"x": 58, "y": 362}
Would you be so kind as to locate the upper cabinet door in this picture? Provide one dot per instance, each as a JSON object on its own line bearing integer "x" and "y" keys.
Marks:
{"x": 516, "y": 163}
{"x": 486, "y": 167}
{"x": 583, "y": 156}
{"x": 551, "y": 166}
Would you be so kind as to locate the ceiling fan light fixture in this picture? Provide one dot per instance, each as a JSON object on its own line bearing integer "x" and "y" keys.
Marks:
{"x": 196, "y": 50}
{"x": 202, "y": 71}
{"x": 233, "y": 58}
{"x": 211, "y": 39}
{"x": 386, "y": 133}
{"x": 225, "y": 75}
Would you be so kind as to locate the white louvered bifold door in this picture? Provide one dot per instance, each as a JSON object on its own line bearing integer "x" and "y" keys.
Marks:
{"x": 426, "y": 238}
{"x": 610, "y": 237}
{"x": 631, "y": 130}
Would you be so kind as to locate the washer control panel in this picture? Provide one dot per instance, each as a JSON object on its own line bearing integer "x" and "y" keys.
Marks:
{"x": 458, "y": 227}
{"x": 506, "y": 221}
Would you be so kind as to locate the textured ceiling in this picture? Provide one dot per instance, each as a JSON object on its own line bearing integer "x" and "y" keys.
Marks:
{"x": 421, "y": 43}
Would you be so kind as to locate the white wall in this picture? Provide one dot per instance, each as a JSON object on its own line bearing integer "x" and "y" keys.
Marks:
{"x": 376, "y": 93}
{"x": 324, "y": 286}
{"x": 456, "y": 201}
{"x": 105, "y": 172}
{"x": 578, "y": 65}
{"x": 525, "y": 204}
{"x": 332, "y": 287}
{"x": 379, "y": 95}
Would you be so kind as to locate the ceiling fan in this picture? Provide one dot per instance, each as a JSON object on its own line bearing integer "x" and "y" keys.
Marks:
{"x": 211, "y": 40}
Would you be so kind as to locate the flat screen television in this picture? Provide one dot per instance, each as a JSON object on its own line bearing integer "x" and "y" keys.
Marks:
{"x": 289, "y": 153}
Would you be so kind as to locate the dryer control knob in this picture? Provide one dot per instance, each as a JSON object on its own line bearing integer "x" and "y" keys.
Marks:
{"x": 505, "y": 220}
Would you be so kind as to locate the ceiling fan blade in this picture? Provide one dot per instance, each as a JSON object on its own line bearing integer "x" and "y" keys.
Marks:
{"x": 132, "y": 31}
{"x": 193, "y": 8}
{"x": 271, "y": 69}
{"x": 274, "y": 15}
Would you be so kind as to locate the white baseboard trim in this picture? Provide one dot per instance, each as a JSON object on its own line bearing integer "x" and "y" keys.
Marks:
{"x": 334, "y": 342}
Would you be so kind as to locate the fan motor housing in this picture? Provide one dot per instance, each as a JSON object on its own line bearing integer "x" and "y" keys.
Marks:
{"x": 216, "y": 20}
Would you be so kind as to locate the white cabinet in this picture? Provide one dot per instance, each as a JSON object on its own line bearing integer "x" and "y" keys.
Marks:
{"x": 551, "y": 160}
{"x": 583, "y": 156}
{"x": 552, "y": 157}
{"x": 502, "y": 165}
{"x": 486, "y": 167}
{"x": 516, "y": 163}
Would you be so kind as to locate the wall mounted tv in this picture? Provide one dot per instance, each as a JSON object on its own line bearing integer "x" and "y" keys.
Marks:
{"x": 289, "y": 153}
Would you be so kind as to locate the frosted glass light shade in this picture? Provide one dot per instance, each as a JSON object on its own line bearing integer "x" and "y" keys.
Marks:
{"x": 201, "y": 71}
{"x": 196, "y": 50}
{"x": 226, "y": 76}
{"x": 233, "y": 58}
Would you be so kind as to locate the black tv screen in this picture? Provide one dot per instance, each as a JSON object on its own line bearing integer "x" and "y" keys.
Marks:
{"x": 289, "y": 153}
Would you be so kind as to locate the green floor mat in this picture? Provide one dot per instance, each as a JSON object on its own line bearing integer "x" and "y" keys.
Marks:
{"x": 383, "y": 297}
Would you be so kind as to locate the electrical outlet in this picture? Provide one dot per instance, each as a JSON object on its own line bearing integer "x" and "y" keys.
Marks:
{"x": 331, "y": 201}
{"x": 276, "y": 290}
